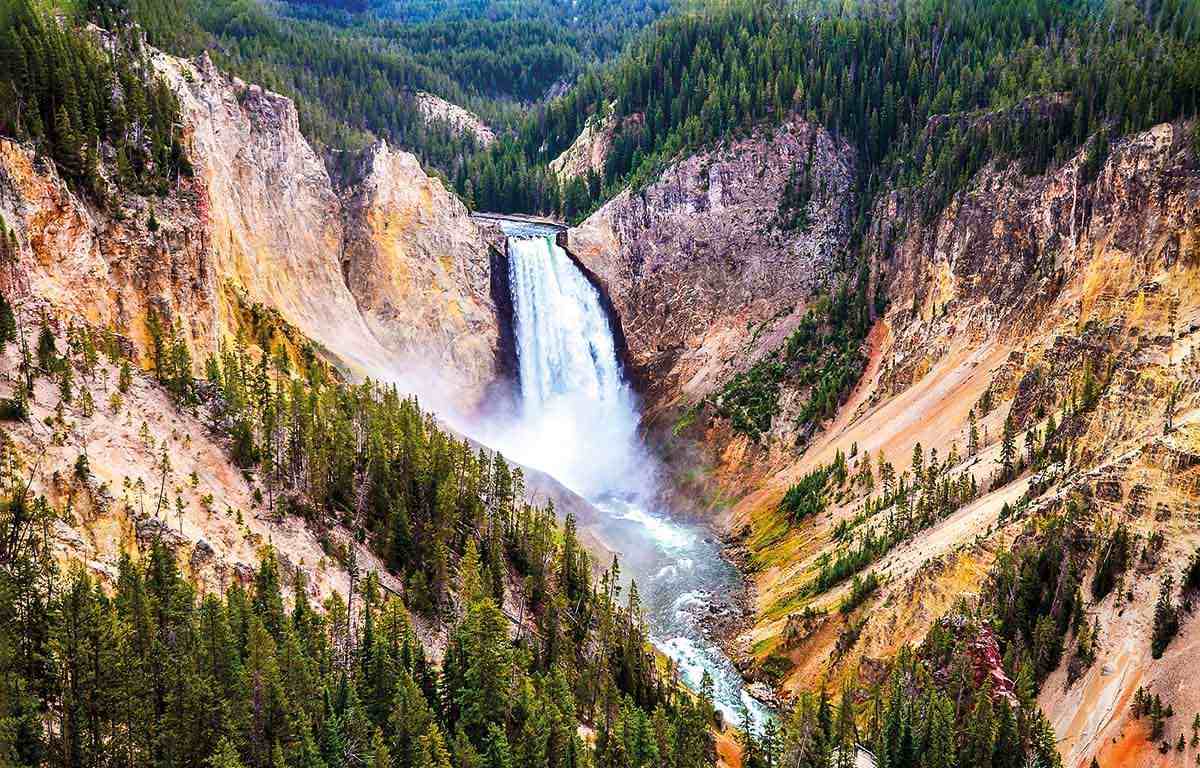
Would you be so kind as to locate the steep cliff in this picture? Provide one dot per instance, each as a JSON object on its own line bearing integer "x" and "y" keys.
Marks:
{"x": 109, "y": 268}
{"x": 590, "y": 148}
{"x": 388, "y": 279}
{"x": 269, "y": 210}
{"x": 1068, "y": 305}
{"x": 419, "y": 269}
{"x": 701, "y": 266}
{"x": 259, "y": 223}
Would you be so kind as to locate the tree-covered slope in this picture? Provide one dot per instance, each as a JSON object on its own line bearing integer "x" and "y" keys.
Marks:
{"x": 353, "y": 70}
{"x": 878, "y": 74}
{"x": 464, "y": 626}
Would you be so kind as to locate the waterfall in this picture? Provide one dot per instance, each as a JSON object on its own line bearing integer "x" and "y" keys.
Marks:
{"x": 564, "y": 343}
{"x": 579, "y": 414}
{"x": 578, "y": 421}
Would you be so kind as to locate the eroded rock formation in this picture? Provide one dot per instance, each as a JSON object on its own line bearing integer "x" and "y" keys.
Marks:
{"x": 699, "y": 265}
{"x": 388, "y": 280}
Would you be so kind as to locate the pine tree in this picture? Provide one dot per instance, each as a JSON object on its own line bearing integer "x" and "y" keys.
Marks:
{"x": 225, "y": 756}
{"x": 470, "y": 586}
{"x": 47, "y": 350}
{"x": 1007, "y": 449}
{"x": 979, "y": 739}
{"x": 432, "y": 753}
{"x": 1166, "y": 617}
{"x": 8, "y": 324}
{"x": 941, "y": 748}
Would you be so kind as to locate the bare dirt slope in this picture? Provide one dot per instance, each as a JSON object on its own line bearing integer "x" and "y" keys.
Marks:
{"x": 1020, "y": 291}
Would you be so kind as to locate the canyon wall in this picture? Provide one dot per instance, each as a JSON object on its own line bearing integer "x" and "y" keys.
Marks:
{"x": 1022, "y": 293}
{"x": 700, "y": 266}
{"x": 419, "y": 268}
{"x": 1025, "y": 289}
{"x": 387, "y": 279}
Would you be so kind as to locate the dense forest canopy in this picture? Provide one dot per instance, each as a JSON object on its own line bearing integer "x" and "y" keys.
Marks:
{"x": 145, "y": 668}
{"x": 595, "y": 29}
{"x": 353, "y": 71}
{"x": 1055, "y": 72}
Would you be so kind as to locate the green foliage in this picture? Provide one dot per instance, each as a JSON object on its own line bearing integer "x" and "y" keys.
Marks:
{"x": 1166, "y": 617}
{"x": 8, "y": 323}
{"x": 823, "y": 356}
{"x": 863, "y": 71}
{"x": 15, "y": 408}
{"x": 1191, "y": 574}
{"x": 1008, "y": 452}
{"x": 152, "y": 671}
{"x": 77, "y": 101}
{"x": 1034, "y": 590}
{"x": 47, "y": 350}
{"x": 930, "y": 711}
{"x": 806, "y": 498}
{"x": 1151, "y": 706}
{"x": 860, "y": 590}
{"x": 1112, "y": 562}
{"x": 750, "y": 400}
{"x": 797, "y": 194}
{"x": 848, "y": 562}
{"x": 255, "y": 684}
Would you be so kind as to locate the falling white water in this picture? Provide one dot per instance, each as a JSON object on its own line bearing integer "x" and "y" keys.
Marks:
{"x": 578, "y": 422}
{"x": 578, "y": 416}
{"x": 563, "y": 340}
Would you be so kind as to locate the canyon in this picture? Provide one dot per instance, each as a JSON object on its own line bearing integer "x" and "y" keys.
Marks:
{"x": 1022, "y": 287}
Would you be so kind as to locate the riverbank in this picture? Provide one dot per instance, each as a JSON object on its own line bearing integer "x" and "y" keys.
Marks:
{"x": 733, "y": 635}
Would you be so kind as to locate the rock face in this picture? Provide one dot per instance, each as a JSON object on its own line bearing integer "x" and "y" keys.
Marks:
{"x": 590, "y": 148}
{"x": 1013, "y": 296}
{"x": 700, "y": 269}
{"x": 273, "y": 221}
{"x": 388, "y": 282}
{"x": 1063, "y": 271}
{"x": 435, "y": 108}
{"x": 104, "y": 269}
{"x": 419, "y": 268}
{"x": 1066, "y": 277}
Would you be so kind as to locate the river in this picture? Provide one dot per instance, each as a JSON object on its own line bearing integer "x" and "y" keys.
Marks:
{"x": 578, "y": 421}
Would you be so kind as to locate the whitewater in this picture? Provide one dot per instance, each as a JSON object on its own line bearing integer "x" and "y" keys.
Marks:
{"x": 578, "y": 421}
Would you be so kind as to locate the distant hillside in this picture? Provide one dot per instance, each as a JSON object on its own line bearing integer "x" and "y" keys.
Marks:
{"x": 873, "y": 73}
{"x": 352, "y": 73}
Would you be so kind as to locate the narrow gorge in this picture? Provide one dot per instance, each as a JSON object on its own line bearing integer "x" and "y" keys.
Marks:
{"x": 793, "y": 383}
{"x": 578, "y": 419}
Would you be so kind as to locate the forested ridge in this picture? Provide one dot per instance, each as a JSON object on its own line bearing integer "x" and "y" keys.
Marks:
{"x": 84, "y": 106}
{"x": 353, "y": 73}
{"x": 875, "y": 74}
{"x": 145, "y": 670}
